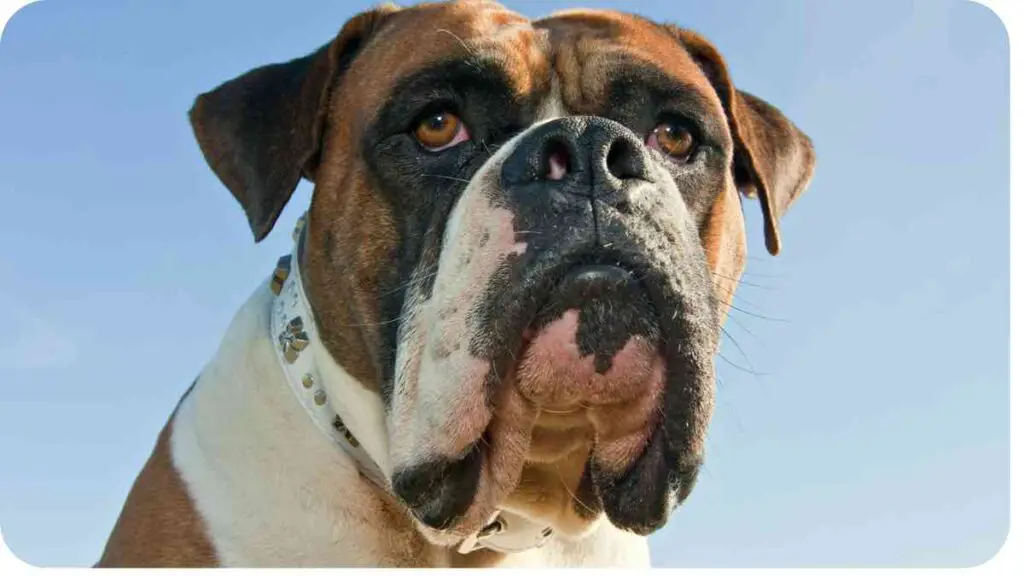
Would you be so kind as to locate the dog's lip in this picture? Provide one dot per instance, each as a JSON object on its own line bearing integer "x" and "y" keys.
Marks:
{"x": 594, "y": 273}
{"x": 592, "y": 276}
{"x": 632, "y": 279}
{"x": 597, "y": 274}
{"x": 562, "y": 411}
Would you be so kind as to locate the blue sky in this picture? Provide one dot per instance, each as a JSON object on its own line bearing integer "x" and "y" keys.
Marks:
{"x": 873, "y": 430}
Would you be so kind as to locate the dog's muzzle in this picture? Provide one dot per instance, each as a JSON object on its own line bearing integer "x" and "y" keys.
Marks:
{"x": 597, "y": 302}
{"x": 593, "y": 326}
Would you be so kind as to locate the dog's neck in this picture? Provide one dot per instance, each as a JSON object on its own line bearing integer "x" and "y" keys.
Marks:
{"x": 273, "y": 490}
{"x": 349, "y": 413}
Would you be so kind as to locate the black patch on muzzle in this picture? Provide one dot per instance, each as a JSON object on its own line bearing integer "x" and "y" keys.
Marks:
{"x": 642, "y": 499}
{"x": 648, "y": 277}
{"x": 613, "y": 307}
{"x": 587, "y": 504}
{"x": 440, "y": 491}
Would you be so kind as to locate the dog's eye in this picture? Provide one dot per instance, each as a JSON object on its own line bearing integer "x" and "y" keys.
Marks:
{"x": 440, "y": 130}
{"x": 673, "y": 139}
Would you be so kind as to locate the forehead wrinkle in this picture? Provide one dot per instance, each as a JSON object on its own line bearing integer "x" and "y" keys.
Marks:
{"x": 398, "y": 46}
{"x": 690, "y": 86}
{"x": 593, "y": 48}
{"x": 518, "y": 49}
{"x": 473, "y": 29}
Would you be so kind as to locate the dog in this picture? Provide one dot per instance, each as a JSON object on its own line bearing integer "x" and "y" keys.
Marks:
{"x": 493, "y": 342}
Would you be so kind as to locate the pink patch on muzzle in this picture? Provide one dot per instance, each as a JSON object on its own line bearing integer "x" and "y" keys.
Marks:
{"x": 555, "y": 374}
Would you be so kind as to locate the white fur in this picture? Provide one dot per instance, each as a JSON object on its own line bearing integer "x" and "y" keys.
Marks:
{"x": 439, "y": 405}
{"x": 272, "y": 488}
{"x": 424, "y": 392}
{"x": 274, "y": 491}
{"x": 553, "y": 105}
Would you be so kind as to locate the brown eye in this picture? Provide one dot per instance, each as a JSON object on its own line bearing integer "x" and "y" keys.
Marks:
{"x": 673, "y": 139}
{"x": 441, "y": 130}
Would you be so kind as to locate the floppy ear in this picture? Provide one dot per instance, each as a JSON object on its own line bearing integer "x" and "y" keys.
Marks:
{"x": 772, "y": 159}
{"x": 261, "y": 132}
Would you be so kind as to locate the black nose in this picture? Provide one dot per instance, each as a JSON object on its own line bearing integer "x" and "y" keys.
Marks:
{"x": 582, "y": 155}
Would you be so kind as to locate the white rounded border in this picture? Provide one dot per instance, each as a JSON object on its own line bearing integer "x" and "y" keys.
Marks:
{"x": 1009, "y": 11}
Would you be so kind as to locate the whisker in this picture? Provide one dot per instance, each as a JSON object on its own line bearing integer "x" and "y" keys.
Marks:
{"x": 755, "y": 315}
{"x": 743, "y": 282}
{"x": 412, "y": 281}
{"x": 483, "y": 440}
{"x": 738, "y": 367}
{"x": 571, "y": 494}
{"x": 745, "y": 300}
{"x": 742, "y": 353}
{"x": 457, "y": 39}
{"x": 373, "y": 324}
{"x": 745, "y": 329}
{"x": 445, "y": 177}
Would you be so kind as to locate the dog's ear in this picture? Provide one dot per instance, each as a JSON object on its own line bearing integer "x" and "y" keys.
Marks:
{"x": 261, "y": 132}
{"x": 772, "y": 160}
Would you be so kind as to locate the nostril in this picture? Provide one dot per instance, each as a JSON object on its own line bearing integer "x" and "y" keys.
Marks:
{"x": 556, "y": 158}
{"x": 625, "y": 161}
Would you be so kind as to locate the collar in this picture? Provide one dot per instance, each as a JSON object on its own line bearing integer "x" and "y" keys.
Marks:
{"x": 293, "y": 330}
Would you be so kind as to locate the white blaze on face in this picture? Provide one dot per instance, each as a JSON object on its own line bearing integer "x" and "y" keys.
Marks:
{"x": 553, "y": 106}
{"x": 439, "y": 405}
{"x": 439, "y": 391}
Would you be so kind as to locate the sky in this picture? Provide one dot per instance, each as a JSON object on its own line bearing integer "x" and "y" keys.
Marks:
{"x": 862, "y": 415}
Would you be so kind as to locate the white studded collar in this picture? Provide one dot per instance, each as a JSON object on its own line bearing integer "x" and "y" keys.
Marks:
{"x": 293, "y": 329}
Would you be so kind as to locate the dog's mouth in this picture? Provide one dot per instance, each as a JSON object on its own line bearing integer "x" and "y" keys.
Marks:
{"x": 595, "y": 342}
{"x": 597, "y": 347}
{"x": 603, "y": 364}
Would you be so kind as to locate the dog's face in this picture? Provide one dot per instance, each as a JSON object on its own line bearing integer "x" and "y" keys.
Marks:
{"x": 525, "y": 236}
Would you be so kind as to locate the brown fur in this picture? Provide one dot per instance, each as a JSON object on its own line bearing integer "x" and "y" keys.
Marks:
{"x": 593, "y": 45}
{"x": 725, "y": 245}
{"x": 773, "y": 160}
{"x": 351, "y": 229}
{"x": 352, "y": 234}
{"x": 158, "y": 526}
{"x": 549, "y": 491}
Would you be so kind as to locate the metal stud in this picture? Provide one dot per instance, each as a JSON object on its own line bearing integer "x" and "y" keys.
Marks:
{"x": 293, "y": 340}
{"x": 291, "y": 354}
{"x": 299, "y": 224}
{"x": 344, "y": 431}
{"x": 493, "y": 529}
{"x": 320, "y": 397}
{"x": 307, "y": 381}
{"x": 284, "y": 267}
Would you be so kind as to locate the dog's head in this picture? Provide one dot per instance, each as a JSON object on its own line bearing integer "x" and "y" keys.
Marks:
{"x": 525, "y": 235}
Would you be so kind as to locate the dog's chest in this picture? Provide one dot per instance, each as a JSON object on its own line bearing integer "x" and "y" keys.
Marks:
{"x": 272, "y": 491}
{"x": 270, "y": 488}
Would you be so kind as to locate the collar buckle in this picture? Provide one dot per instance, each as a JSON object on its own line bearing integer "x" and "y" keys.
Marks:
{"x": 509, "y": 533}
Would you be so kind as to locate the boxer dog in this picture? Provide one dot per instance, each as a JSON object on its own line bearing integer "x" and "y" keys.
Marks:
{"x": 494, "y": 341}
